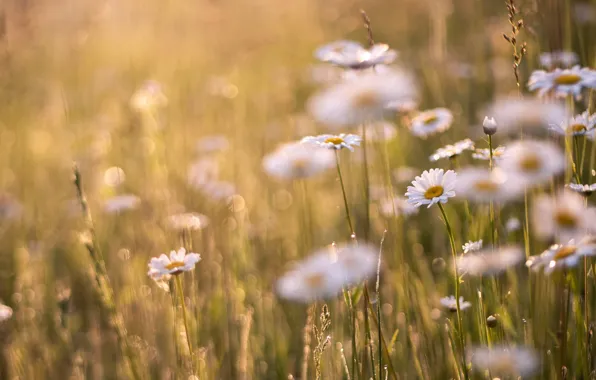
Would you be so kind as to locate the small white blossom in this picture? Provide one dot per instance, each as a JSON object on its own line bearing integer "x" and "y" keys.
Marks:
{"x": 432, "y": 187}
{"x": 187, "y": 221}
{"x": 451, "y": 151}
{"x": 5, "y": 312}
{"x": 562, "y": 82}
{"x": 583, "y": 124}
{"x": 505, "y": 362}
{"x": 295, "y": 160}
{"x": 336, "y": 142}
{"x": 553, "y": 59}
{"x": 532, "y": 163}
{"x": 450, "y": 304}
{"x": 472, "y": 246}
{"x": 562, "y": 255}
{"x": 489, "y": 261}
{"x": 430, "y": 122}
{"x": 489, "y": 125}
{"x": 352, "y": 55}
{"x": 484, "y": 154}
{"x": 178, "y": 262}
{"x": 582, "y": 189}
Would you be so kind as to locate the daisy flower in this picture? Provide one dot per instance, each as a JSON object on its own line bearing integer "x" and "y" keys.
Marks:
{"x": 579, "y": 125}
{"x": 5, "y": 312}
{"x": 187, "y": 221}
{"x": 295, "y": 160}
{"x": 327, "y": 271}
{"x": 430, "y": 122}
{"x": 451, "y": 151}
{"x": 550, "y": 60}
{"x": 352, "y": 55}
{"x": 121, "y": 203}
{"x": 212, "y": 144}
{"x": 586, "y": 190}
{"x": 512, "y": 224}
{"x": 432, "y": 187}
{"x": 562, "y": 82}
{"x": 218, "y": 190}
{"x": 505, "y": 362}
{"x": 529, "y": 115}
{"x": 450, "y": 304}
{"x": 397, "y": 206}
{"x": 202, "y": 171}
{"x": 562, "y": 256}
{"x": 362, "y": 99}
{"x": 531, "y": 162}
{"x": 379, "y": 131}
{"x": 178, "y": 262}
{"x": 336, "y": 142}
{"x": 114, "y": 176}
{"x": 484, "y": 154}
{"x": 472, "y": 246}
{"x": 489, "y": 261}
{"x": 148, "y": 97}
{"x": 563, "y": 217}
{"x": 483, "y": 185}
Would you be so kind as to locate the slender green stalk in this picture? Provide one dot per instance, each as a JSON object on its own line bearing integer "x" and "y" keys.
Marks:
{"x": 184, "y": 317}
{"x": 491, "y": 206}
{"x": 343, "y": 192}
{"x": 366, "y": 186}
{"x": 462, "y": 341}
{"x": 378, "y": 291}
{"x": 102, "y": 281}
{"x": 354, "y": 348}
{"x": 490, "y": 152}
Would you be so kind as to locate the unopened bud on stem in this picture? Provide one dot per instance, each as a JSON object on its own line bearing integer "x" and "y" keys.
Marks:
{"x": 489, "y": 125}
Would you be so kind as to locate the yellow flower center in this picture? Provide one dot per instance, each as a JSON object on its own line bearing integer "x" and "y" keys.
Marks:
{"x": 364, "y": 99}
{"x": 565, "y": 219}
{"x": 335, "y": 140}
{"x": 315, "y": 280}
{"x": 567, "y": 79}
{"x": 430, "y": 118}
{"x": 565, "y": 252}
{"x": 486, "y": 186}
{"x": 578, "y": 128}
{"x": 433, "y": 192}
{"x": 174, "y": 265}
{"x": 530, "y": 164}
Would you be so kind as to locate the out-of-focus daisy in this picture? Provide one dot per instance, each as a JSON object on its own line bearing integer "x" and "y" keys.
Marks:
{"x": 402, "y": 107}
{"x": 505, "y": 362}
{"x": 380, "y": 131}
{"x": 451, "y": 151}
{"x": 560, "y": 256}
{"x": 450, "y": 304}
{"x": 218, "y": 190}
{"x": 430, "y": 122}
{"x": 586, "y": 190}
{"x": 295, "y": 160}
{"x": 531, "y": 162}
{"x": 114, "y": 176}
{"x": 528, "y": 115}
{"x": 178, "y": 262}
{"x": 553, "y": 59}
{"x": 213, "y": 144}
{"x": 119, "y": 203}
{"x": 148, "y": 97}
{"x": 472, "y": 246}
{"x": 579, "y": 125}
{"x": 187, "y": 221}
{"x": 563, "y": 217}
{"x": 483, "y": 185}
{"x": 327, "y": 271}
{"x": 432, "y": 187}
{"x": 336, "y": 142}
{"x": 484, "y": 154}
{"x": 5, "y": 312}
{"x": 489, "y": 261}
{"x": 512, "y": 224}
{"x": 352, "y": 55}
{"x": 202, "y": 171}
{"x": 562, "y": 82}
{"x": 362, "y": 99}
{"x": 397, "y": 206}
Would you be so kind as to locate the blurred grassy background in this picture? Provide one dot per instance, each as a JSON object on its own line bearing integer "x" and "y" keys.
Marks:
{"x": 68, "y": 69}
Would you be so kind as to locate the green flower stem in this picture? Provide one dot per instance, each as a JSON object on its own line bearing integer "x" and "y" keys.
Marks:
{"x": 183, "y": 303}
{"x": 491, "y": 211}
{"x": 343, "y": 192}
{"x": 462, "y": 341}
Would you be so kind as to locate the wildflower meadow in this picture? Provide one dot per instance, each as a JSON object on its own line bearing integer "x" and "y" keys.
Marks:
{"x": 297, "y": 190}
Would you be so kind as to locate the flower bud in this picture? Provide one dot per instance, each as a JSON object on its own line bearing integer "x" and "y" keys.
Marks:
{"x": 489, "y": 125}
{"x": 492, "y": 321}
